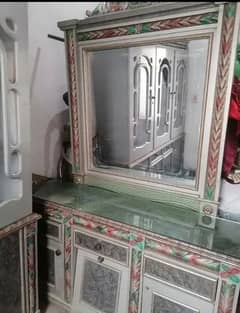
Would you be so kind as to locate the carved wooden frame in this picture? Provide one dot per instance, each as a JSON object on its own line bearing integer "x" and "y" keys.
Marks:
{"x": 226, "y": 22}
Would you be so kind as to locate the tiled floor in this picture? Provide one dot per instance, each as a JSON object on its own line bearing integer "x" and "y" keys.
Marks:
{"x": 53, "y": 308}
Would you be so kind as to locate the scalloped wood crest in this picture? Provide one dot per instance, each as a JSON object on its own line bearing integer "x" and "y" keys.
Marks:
{"x": 111, "y": 7}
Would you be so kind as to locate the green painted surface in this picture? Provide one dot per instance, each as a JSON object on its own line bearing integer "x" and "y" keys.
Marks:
{"x": 209, "y": 19}
{"x": 179, "y": 223}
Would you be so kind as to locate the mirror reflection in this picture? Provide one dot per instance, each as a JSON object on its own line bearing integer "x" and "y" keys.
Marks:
{"x": 147, "y": 105}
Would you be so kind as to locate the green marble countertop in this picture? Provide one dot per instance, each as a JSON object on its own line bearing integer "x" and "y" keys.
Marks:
{"x": 164, "y": 219}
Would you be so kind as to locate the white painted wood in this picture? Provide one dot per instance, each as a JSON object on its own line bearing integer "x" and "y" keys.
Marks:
{"x": 151, "y": 19}
{"x": 206, "y": 124}
{"x": 58, "y": 288}
{"x": 148, "y": 38}
{"x": 15, "y": 169}
{"x": 159, "y": 140}
{"x": 140, "y": 59}
{"x": 227, "y": 101}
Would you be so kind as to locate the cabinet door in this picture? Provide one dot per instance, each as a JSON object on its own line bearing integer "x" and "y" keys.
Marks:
{"x": 141, "y": 81}
{"x": 101, "y": 286}
{"x": 159, "y": 297}
{"x": 164, "y": 74}
{"x": 51, "y": 267}
{"x": 15, "y": 170}
{"x": 179, "y": 98}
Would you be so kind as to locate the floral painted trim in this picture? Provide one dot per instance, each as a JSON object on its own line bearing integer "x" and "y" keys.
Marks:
{"x": 73, "y": 87}
{"x": 68, "y": 259}
{"x": 19, "y": 224}
{"x": 134, "y": 29}
{"x": 111, "y": 7}
{"x": 102, "y": 229}
{"x": 134, "y": 293}
{"x": 230, "y": 273}
{"x": 185, "y": 256}
{"x": 226, "y": 298}
{"x": 220, "y": 98}
{"x": 31, "y": 233}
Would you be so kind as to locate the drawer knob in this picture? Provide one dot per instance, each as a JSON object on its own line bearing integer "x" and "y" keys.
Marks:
{"x": 58, "y": 252}
{"x": 100, "y": 259}
{"x": 98, "y": 247}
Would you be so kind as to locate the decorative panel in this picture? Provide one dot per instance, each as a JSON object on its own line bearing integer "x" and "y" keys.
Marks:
{"x": 185, "y": 21}
{"x": 107, "y": 249}
{"x": 100, "y": 287}
{"x": 197, "y": 284}
{"x": 30, "y": 232}
{"x": 229, "y": 16}
{"x": 10, "y": 274}
{"x": 51, "y": 266}
{"x": 226, "y": 301}
{"x": 52, "y": 230}
{"x": 165, "y": 305}
{"x": 142, "y": 97}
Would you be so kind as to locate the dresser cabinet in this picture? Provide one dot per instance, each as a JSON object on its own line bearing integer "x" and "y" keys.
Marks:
{"x": 110, "y": 267}
{"x": 102, "y": 275}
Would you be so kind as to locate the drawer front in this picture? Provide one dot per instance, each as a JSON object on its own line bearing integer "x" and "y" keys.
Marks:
{"x": 165, "y": 305}
{"x": 51, "y": 229}
{"x": 197, "y": 284}
{"x": 100, "y": 246}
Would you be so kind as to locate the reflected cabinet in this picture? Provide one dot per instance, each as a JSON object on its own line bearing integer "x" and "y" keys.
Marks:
{"x": 149, "y": 98}
{"x": 140, "y": 102}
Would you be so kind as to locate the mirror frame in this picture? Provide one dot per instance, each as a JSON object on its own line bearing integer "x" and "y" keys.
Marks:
{"x": 219, "y": 21}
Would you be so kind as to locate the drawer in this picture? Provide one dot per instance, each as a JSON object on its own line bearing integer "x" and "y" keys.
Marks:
{"x": 51, "y": 229}
{"x": 106, "y": 248}
{"x": 195, "y": 283}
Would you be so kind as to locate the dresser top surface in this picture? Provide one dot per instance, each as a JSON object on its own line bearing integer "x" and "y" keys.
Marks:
{"x": 160, "y": 218}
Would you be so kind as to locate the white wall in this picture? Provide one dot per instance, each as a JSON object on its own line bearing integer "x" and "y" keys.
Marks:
{"x": 48, "y": 79}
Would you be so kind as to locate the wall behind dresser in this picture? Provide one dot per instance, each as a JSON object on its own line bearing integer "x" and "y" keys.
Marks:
{"x": 48, "y": 80}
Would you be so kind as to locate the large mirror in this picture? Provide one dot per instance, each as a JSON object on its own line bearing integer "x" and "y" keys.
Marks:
{"x": 148, "y": 105}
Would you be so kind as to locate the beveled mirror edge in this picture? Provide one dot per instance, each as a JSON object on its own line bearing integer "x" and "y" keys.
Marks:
{"x": 228, "y": 21}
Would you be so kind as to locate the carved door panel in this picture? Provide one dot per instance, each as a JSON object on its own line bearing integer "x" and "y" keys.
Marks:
{"x": 51, "y": 259}
{"x": 179, "y": 94}
{"x": 15, "y": 169}
{"x": 101, "y": 286}
{"x": 142, "y": 98}
{"x": 55, "y": 268}
{"x": 164, "y": 77}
